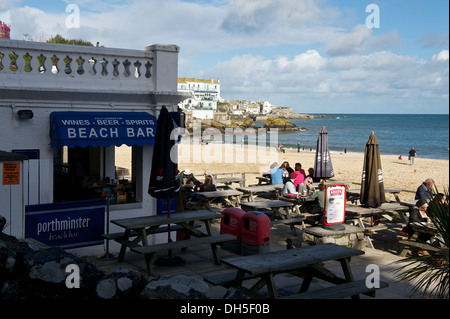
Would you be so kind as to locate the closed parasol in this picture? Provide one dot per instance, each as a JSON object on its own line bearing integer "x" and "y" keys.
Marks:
{"x": 164, "y": 178}
{"x": 372, "y": 185}
{"x": 323, "y": 168}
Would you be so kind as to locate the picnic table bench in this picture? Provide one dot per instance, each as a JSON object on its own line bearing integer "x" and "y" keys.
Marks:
{"x": 141, "y": 227}
{"x": 119, "y": 236}
{"x": 150, "y": 251}
{"x": 306, "y": 260}
{"x": 340, "y": 291}
{"x": 419, "y": 228}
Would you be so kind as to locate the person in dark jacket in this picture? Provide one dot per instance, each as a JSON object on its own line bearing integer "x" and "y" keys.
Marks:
{"x": 208, "y": 185}
{"x": 425, "y": 191}
{"x": 418, "y": 213}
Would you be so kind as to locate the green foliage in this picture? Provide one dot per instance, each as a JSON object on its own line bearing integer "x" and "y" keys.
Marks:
{"x": 59, "y": 39}
{"x": 431, "y": 271}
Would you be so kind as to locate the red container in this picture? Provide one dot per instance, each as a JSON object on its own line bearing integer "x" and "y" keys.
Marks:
{"x": 255, "y": 229}
{"x": 231, "y": 223}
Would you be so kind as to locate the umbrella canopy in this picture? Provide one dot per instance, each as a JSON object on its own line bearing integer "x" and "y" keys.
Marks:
{"x": 372, "y": 185}
{"x": 322, "y": 165}
{"x": 164, "y": 179}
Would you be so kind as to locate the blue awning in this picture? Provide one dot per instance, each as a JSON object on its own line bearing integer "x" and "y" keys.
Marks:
{"x": 101, "y": 129}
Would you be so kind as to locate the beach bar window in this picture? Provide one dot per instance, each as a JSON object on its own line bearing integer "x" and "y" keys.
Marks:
{"x": 96, "y": 154}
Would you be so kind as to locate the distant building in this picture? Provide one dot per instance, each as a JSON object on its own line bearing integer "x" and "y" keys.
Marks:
{"x": 5, "y": 31}
{"x": 205, "y": 93}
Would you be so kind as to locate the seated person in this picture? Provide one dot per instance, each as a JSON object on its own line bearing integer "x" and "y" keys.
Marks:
{"x": 209, "y": 172}
{"x": 425, "y": 191}
{"x": 311, "y": 174}
{"x": 289, "y": 188}
{"x": 299, "y": 174}
{"x": 208, "y": 185}
{"x": 186, "y": 178}
{"x": 287, "y": 167}
{"x": 417, "y": 213}
{"x": 276, "y": 174}
{"x": 320, "y": 196}
{"x": 306, "y": 187}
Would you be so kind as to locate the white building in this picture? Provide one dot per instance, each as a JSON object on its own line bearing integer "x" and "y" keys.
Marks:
{"x": 67, "y": 108}
{"x": 204, "y": 93}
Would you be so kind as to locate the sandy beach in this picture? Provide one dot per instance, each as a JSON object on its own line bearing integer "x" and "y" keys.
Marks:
{"x": 348, "y": 167}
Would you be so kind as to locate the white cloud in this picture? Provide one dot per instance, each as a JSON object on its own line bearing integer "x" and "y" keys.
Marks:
{"x": 441, "y": 56}
{"x": 311, "y": 77}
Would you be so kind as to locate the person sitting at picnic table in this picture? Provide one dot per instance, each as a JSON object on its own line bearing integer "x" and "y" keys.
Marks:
{"x": 289, "y": 188}
{"x": 317, "y": 206}
{"x": 311, "y": 174}
{"x": 417, "y": 213}
{"x": 287, "y": 167}
{"x": 209, "y": 172}
{"x": 208, "y": 185}
{"x": 306, "y": 188}
{"x": 187, "y": 178}
{"x": 276, "y": 174}
{"x": 298, "y": 175}
{"x": 425, "y": 190}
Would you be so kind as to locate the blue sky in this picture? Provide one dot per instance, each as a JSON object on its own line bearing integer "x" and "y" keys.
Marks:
{"x": 317, "y": 56}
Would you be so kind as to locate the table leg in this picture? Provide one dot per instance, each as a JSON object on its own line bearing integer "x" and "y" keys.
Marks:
{"x": 123, "y": 247}
{"x": 208, "y": 227}
{"x": 345, "y": 264}
{"x": 271, "y": 285}
{"x": 368, "y": 240}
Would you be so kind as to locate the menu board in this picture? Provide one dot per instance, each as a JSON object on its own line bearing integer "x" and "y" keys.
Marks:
{"x": 335, "y": 198}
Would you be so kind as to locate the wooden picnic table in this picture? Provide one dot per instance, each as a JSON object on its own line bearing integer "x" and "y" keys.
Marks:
{"x": 331, "y": 182}
{"x": 228, "y": 181}
{"x": 141, "y": 227}
{"x": 389, "y": 190}
{"x": 359, "y": 212}
{"x": 253, "y": 190}
{"x": 263, "y": 180}
{"x": 419, "y": 228}
{"x": 306, "y": 260}
{"x": 233, "y": 197}
{"x": 409, "y": 203}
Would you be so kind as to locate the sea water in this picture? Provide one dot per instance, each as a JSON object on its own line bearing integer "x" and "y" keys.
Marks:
{"x": 396, "y": 133}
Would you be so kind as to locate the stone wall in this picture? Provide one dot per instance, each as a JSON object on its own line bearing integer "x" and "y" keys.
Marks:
{"x": 28, "y": 271}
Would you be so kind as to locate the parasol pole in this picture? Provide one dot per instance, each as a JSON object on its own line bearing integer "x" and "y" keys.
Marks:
{"x": 169, "y": 239}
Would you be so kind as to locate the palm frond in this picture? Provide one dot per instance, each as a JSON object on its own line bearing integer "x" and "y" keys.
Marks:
{"x": 430, "y": 273}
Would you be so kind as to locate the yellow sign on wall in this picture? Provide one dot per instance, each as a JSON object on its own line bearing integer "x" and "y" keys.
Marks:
{"x": 11, "y": 173}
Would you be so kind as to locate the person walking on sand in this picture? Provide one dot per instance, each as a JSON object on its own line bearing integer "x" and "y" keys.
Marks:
{"x": 298, "y": 147}
{"x": 412, "y": 155}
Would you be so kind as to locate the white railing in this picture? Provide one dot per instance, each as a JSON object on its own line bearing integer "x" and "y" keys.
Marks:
{"x": 44, "y": 66}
